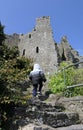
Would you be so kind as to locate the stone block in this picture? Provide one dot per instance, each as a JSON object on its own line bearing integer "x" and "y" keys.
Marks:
{"x": 30, "y": 127}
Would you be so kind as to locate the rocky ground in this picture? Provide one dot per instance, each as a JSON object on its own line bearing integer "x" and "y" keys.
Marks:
{"x": 72, "y": 104}
{"x": 49, "y": 112}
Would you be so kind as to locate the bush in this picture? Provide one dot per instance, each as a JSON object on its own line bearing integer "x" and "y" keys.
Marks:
{"x": 13, "y": 69}
{"x": 67, "y": 77}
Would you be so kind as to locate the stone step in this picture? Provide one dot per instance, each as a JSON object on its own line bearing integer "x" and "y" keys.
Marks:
{"x": 72, "y": 127}
{"x": 42, "y": 127}
{"x": 43, "y": 106}
{"x": 39, "y": 112}
{"x": 53, "y": 119}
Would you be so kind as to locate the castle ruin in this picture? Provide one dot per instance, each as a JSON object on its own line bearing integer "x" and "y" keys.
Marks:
{"x": 41, "y": 47}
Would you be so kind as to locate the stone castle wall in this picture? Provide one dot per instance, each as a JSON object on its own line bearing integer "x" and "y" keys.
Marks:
{"x": 41, "y": 47}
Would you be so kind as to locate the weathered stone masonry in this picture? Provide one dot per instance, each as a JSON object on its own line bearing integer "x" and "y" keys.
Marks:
{"x": 41, "y": 47}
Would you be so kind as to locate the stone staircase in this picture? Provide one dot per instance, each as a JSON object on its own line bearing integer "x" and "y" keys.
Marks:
{"x": 43, "y": 116}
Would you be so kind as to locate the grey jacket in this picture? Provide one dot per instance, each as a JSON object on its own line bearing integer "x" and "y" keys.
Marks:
{"x": 37, "y": 76}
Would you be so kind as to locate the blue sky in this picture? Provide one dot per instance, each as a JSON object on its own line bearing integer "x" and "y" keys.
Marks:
{"x": 19, "y": 16}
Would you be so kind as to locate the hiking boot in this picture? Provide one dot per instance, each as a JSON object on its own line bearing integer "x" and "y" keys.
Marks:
{"x": 39, "y": 93}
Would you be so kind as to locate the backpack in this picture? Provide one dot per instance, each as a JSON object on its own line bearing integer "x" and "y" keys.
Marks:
{"x": 42, "y": 76}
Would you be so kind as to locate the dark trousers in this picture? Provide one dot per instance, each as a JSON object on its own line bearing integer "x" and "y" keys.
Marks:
{"x": 37, "y": 87}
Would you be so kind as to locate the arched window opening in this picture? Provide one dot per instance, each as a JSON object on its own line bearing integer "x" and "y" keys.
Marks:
{"x": 29, "y": 35}
{"x": 63, "y": 56}
{"x": 23, "y": 53}
{"x": 37, "y": 49}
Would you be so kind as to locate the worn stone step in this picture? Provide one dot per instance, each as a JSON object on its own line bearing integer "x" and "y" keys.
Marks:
{"x": 54, "y": 119}
{"x": 40, "y": 112}
{"x": 42, "y": 127}
{"x": 43, "y": 106}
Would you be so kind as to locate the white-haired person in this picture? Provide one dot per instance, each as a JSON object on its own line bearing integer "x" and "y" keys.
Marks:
{"x": 37, "y": 78}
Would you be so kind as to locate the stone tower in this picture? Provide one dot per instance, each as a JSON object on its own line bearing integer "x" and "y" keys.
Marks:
{"x": 39, "y": 45}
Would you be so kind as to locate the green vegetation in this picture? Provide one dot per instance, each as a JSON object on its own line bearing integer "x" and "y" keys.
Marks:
{"x": 67, "y": 76}
{"x": 13, "y": 69}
